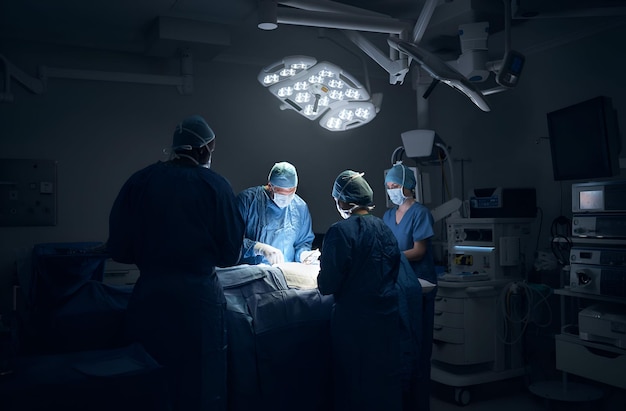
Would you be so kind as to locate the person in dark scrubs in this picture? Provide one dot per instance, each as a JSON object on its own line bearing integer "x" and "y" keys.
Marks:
{"x": 177, "y": 220}
{"x": 359, "y": 266}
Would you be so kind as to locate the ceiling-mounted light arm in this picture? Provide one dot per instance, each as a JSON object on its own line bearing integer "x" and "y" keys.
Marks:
{"x": 441, "y": 71}
{"x": 5, "y": 95}
{"x": 494, "y": 90}
{"x": 372, "y": 24}
{"x": 329, "y": 7}
{"x": 32, "y": 84}
{"x": 397, "y": 69}
{"x": 509, "y": 69}
{"x": 357, "y": 55}
{"x": 430, "y": 88}
{"x": 424, "y": 18}
{"x": 507, "y": 26}
{"x": 326, "y": 14}
{"x": 422, "y": 22}
{"x": 268, "y": 12}
{"x": 267, "y": 15}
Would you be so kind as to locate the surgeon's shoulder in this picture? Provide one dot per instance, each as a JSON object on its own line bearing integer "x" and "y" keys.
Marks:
{"x": 144, "y": 174}
{"x": 250, "y": 193}
{"x": 299, "y": 201}
{"x": 419, "y": 207}
{"x": 215, "y": 179}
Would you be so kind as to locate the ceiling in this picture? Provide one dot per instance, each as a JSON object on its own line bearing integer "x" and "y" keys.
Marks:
{"x": 160, "y": 27}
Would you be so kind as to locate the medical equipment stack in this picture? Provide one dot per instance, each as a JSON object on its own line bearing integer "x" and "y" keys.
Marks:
{"x": 473, "y": 342}
{"x": 592, "y": 342}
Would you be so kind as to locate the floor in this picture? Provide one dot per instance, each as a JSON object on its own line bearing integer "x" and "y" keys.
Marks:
{"x": 514, "y": 395}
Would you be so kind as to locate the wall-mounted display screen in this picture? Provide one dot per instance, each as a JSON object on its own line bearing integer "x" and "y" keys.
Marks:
{"x": 584, "y": 140}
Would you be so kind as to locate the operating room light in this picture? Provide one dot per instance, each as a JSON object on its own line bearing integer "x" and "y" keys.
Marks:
{"x": 319, "y": 90}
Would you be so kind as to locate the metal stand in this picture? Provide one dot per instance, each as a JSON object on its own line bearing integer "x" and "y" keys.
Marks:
{"x": 565, "y": 391}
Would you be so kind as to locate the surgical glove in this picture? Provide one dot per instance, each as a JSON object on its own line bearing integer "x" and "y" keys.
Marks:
{"x": 310, "y": 257}
{"x": 271, "y": 254}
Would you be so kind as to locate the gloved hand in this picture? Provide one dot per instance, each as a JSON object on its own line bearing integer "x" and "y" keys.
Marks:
{"x": 310, "y": 257}
{"x": 271, "y": 254}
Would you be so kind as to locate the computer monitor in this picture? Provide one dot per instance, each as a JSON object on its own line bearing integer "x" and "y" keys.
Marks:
{"x": 584, "y": 140}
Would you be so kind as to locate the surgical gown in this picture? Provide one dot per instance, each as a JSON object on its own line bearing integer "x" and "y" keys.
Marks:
{"x": 289, "y": 229}
{"x": 417, "y": 225}
{"x": 176, "y": 223}
{"x": 359, "y": 265}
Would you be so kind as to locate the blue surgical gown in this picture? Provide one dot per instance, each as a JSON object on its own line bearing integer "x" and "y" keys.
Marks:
{"x": 417, "y": 225}
{"x": 289, "y": 229}
{"x": 176, "y": 223}
{"x": 359, "y": 265}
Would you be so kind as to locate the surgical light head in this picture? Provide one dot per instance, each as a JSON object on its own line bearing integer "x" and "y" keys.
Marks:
{"x": 351, "y": 188}
{"x": 283, "y": 175}
{"x": 192, "y": 132}
{"x": 401, "y": 175}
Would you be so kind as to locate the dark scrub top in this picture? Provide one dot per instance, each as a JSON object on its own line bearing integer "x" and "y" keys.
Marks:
{"x": 359, "y": 266}
{"x": 177, "y": 222}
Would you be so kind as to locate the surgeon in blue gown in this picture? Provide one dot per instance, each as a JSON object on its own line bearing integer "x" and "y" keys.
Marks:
{"x": 278, "y": 221}
{"x": 412, "y": 226}
{"x": 177, "y": 220}
{"x": 359, "y": 266}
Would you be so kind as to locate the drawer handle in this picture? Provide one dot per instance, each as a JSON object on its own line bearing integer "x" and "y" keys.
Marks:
{"x": 437, "y": 328}
{"x": 438, "y": 312}
{"x": 438, "y": 298}
{"x": 602, "y": 353}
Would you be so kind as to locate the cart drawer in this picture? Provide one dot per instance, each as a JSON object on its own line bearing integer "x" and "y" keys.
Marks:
{"x": 447, "y": 304}
{"x": 461, "y": 354}
{"x": 447, "y": 319}
{"x": 605, "y": 364}
{"x": 449, "y": 334}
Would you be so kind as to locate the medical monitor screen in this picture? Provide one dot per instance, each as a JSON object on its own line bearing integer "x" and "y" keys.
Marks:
{"x": 591, "y": 200}
{"x": 584, "y": 140}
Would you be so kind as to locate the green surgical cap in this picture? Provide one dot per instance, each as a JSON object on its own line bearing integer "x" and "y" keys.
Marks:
{"x": 192, "y": 132}
{"x": 401, "y": 174}
{"x": 283, "y": 175}
{"x": 350, "y": 187}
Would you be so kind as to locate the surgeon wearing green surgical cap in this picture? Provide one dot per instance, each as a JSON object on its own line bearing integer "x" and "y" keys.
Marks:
{"x": 359, "y": 266}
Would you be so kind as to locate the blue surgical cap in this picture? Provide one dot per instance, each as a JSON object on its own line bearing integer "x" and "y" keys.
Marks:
{"x": 283, "y": 175}
{"x": 401, "y": 174}
{"x": 192, "y": 132}
{"x": 350, "y": 187}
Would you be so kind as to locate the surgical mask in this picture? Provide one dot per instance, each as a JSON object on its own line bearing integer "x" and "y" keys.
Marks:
{"x": 396, "y": 196}
{"x": 345, "y": 214}
{"x": 283, "y": 200}
{"x": 208, "y": 163}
